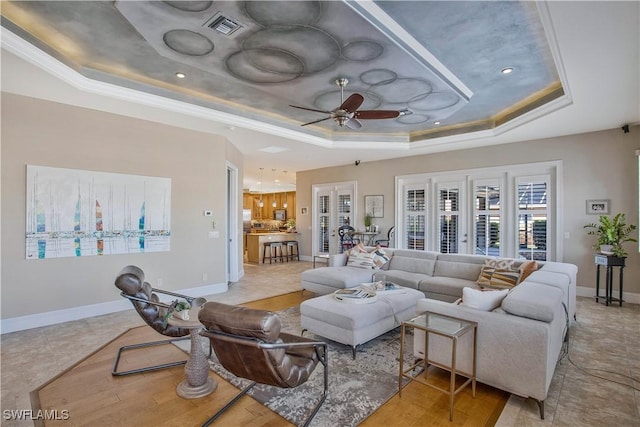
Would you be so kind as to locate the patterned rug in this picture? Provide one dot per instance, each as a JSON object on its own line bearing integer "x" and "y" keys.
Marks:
{"x": 356, "y": 387}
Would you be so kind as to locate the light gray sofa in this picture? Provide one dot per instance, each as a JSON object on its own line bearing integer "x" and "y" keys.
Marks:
{"x": 519, "y": 343}
{"x": 438, "y": 276}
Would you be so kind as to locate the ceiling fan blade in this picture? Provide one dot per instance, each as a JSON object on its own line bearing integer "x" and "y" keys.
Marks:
{"x": 353, "y": 124}
{"x": 310, "y": 109}
{"x": 316, "y": 121}
{"x": 376, "y": 114}
{"x": 352, "y": 103}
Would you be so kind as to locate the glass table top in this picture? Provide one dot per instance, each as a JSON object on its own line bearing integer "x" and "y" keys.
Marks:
{"x": 440, "y": 323}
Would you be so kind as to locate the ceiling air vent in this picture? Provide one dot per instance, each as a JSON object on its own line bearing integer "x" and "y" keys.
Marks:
{"x": 223, "y": 24}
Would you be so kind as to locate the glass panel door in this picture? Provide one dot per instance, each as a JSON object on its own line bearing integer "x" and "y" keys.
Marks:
{"x": 533, "y": 213}
{"x": 333, "y": 207}
{"x": 452, "y": 238}
{"x": 415, "y": 218}
{"x": 487, "y": 218}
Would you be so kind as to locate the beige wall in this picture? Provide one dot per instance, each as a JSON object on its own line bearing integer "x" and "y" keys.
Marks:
{"x": 50, "y": 134}
{"x": 598, "y": 165}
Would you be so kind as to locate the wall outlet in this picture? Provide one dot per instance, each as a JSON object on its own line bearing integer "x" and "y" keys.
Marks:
{"x": 159, "y": 283}
{"x": 204, "y": 276}
{"x": 207, "y": 213}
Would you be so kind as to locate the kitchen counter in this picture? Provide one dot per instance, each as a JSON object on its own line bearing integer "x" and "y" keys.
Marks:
{"x": 255, "y": 243}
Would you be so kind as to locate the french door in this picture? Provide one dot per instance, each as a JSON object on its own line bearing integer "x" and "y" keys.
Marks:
{"x": 333, "y": 206}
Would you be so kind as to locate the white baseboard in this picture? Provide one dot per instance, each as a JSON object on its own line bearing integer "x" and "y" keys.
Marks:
{"x": 37, "y": 320}
{"x": 585, "y": 291}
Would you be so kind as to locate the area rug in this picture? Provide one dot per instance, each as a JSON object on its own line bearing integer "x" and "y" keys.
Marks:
{"x": 356, "y": 387}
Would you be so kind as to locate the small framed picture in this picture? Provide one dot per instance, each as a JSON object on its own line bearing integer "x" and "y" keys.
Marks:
{"x": 374, "y": 206}
{"x": 598, "y": 207}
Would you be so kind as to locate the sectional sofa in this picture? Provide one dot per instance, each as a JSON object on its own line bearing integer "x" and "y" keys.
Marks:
{"x": 520, "y": 340}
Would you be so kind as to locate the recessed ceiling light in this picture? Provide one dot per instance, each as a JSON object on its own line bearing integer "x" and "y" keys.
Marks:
{"x": 507, "y": 70}
{"x": 436, "y": 123}
{"x": 181, "y": 75}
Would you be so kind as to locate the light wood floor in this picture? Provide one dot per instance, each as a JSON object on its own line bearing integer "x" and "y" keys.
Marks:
{"x": 94, "y": 397}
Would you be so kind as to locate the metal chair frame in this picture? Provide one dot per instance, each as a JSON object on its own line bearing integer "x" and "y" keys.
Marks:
{"x": 253, "y": 342}
{"x": 124, "y": 348}
{"x": 346, "y": 240}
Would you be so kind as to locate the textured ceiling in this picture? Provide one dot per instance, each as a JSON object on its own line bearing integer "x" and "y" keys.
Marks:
{"x": 437, "y": 61}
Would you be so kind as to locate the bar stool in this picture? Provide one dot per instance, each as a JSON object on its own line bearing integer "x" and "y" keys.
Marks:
{"x": 273, "y": 252}
{"x": 292, "y": 245}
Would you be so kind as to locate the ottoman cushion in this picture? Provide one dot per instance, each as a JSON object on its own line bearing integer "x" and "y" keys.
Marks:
{"x": 355, "y": 324}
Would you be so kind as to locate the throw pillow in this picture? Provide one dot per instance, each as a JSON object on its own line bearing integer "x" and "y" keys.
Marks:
{"x": 361, "y": 260}
{"x": 526, "y": 268}
{"x": 380, "y": 258}
{"x": 502, "y": 263}
{"x": 359, "y": 248}
{"x": 504, "y": 279}
{"x": 489, "y": 268}
{"x": 484, "y": 279}
{"x": 485, "y": 300}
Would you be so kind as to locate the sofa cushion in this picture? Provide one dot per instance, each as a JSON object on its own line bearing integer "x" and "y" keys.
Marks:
{"x": 533, "y": 300}
{"x": 485, "y": 300}
{"x": 413, "y": 261}
{"x": 460, "y": 266}
{"x": 445, "y": 285}
{"x": 338, "y": 277}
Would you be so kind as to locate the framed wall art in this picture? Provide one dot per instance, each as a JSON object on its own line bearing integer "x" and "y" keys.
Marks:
{"x": 598, "y": 207}
{"x": 374, "y": 206}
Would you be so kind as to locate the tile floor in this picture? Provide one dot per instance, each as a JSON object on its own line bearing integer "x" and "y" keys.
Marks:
{"x": 605, "y": 340}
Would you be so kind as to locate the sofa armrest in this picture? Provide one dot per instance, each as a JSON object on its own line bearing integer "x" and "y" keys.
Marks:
{"x": 562, "y": 276}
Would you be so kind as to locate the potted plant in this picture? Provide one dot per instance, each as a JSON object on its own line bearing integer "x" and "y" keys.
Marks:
{"x": 611, "y": 233}
{"x": 291, "y": 225}
{"x": 179, "y": 309}
{"x": 367, "y": 222}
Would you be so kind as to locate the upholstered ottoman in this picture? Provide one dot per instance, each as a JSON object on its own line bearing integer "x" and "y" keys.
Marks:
{"x": 355, "y": 324}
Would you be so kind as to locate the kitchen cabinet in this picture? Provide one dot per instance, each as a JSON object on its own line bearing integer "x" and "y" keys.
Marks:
{"x": 252, "y": 201}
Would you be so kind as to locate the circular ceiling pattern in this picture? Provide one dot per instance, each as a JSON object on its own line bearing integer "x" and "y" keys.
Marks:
{"x": 264, "y": 66}
{"x": 400, "y": 90}
{"x": 362, "y": 50}
{"x": 190, "y": 6}
{"x": 379, "y": 76}
{"x": 283, "y": 12}
{"x": 413, "y": 119}
{"x": 188, "y": 42}
{"x": 297, "y": 40}
{"x": 330, "y": 100}
{"x": 434, "y": 101}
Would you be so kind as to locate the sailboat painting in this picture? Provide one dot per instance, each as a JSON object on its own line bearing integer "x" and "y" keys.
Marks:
{"x": 74, "y": 213}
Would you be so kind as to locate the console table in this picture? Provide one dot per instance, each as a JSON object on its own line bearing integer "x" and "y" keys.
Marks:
{"x": 609, "y": 261}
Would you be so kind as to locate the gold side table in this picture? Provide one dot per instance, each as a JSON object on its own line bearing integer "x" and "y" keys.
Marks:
{"x": 448, "y": 327}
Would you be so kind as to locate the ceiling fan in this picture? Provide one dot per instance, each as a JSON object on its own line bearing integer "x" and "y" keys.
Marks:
{"x": 347, "y": 113}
